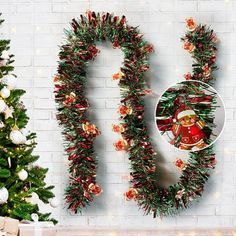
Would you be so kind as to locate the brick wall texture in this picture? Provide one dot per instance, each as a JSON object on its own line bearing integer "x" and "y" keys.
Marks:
{"x": 35, "y": 28}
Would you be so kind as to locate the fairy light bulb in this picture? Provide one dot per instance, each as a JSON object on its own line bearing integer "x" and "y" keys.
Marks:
{"x": 217, "y": 233}
{"x": 192, "y": 234}
{"x": 13, "y": 30}
{"x": 39, "y": 71}
{"x": 217, "y": 195}
{"x": 226, "y": 151}
{"x": 113, "y": 234}
{"x": 110, "y": 216}
{"x": 37, "y": 51}
{"x": 66, "y": 162}
{"x": 177, "y": 70}
{"x": 117, "y": 193}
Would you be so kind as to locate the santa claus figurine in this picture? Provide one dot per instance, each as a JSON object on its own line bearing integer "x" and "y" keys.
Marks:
{"x": 188, "y": 127}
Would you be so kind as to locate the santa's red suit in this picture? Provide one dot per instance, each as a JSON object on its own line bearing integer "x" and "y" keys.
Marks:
{"x": 191, "y": 135}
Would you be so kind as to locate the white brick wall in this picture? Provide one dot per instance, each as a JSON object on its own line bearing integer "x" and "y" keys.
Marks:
{"x": 36, "y": 29}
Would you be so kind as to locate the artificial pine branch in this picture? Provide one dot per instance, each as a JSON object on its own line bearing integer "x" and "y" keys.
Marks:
{"x": 16, "y": 157}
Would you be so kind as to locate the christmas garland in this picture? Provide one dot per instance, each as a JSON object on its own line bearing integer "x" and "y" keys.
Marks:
{"x": 79, "y": 133}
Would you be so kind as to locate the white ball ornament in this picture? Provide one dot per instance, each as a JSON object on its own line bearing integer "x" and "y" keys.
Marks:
{"x": 35, "y": 217}
{"x": 17, "y": 137}
{"x": 1, "y": 125}
{"x": 10, "y": 82}
{"x": 5, "y": 92}
{"x": 23, "y": 175}
{"x": 5, "y": 55}
{"x": 54, "y": 202}
{"x": 3, "y": 106}
{"x": 23, "y": 139}
{"x": 4, "y": 194}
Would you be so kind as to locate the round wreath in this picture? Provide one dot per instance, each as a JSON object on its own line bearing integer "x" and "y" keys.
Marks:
{"x": 79, "y": 133}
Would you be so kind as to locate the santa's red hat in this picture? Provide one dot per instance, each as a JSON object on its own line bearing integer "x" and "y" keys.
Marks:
{"x": 184, "y": 111}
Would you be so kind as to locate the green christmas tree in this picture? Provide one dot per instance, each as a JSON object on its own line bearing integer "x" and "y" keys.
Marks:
{"x": 19, "y": 176}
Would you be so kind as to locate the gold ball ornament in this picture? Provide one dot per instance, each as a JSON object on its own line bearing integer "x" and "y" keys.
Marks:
{"x": 5, "y": 92}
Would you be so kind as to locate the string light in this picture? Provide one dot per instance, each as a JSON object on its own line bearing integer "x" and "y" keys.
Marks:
{"x": 177, "y": 70}
{"x": 126, "y": 177}
{"x": 13, "y": 30}
{"x": 192, "y": 234}
{"x": 117, "y": 193}
{"x": 217, "y": 195}
{"x": 66, "y": 162}
{"x": 226, "y": 151}
{"x": 39, "y": 71}
{"x": 217, "y": 233}
{"x": 38, "y": 51}
{"x": 113, "y": 234}
{"x": 142, "y": 3}
{"x": 110, "y": 216}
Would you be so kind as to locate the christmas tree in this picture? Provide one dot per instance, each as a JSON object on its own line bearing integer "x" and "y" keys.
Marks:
{"x": 19, "y": 176}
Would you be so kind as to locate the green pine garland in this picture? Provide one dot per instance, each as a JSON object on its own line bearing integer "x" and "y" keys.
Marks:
{"x": 79, "y": 134}
{"x": 16, "y": 153}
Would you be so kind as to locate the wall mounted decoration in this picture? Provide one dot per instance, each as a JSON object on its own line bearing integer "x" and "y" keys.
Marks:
{"x": 79, "y": 133}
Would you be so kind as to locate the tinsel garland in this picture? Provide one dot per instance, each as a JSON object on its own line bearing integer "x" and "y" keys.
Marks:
{"x": 79, "y": 133}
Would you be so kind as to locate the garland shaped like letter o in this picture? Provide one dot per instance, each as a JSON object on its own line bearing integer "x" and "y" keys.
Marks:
{"x": 79, "y": 133}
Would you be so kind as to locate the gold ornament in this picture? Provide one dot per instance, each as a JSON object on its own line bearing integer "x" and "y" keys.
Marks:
{"x": 5, "y": 92}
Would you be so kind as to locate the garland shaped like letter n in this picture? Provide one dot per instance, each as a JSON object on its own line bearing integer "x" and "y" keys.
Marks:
{"x": 79, "y": 133}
